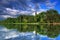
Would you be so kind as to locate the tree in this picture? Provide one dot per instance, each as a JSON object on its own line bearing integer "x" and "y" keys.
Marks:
{"x": 52, "y": 15}
{"x": 37, "y": 5}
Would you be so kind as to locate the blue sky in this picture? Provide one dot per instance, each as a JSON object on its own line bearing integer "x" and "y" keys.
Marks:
{"x": 13, "y": 8}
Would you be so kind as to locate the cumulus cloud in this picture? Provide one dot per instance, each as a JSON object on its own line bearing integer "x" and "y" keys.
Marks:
{"x": 22, "y": 4}
{"x": 13, "y": 13}
{"x": 50, "y": 4}
{"x": 17, "y": 12}
{"x": 13, "y": 8}
{"x": 7, "y": 16}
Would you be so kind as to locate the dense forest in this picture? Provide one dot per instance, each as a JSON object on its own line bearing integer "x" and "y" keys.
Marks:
{"x": 50, "y": 16}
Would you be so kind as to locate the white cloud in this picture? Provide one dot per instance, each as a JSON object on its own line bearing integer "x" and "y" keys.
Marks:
{"x": 17, "y": 12}
{"x": 13, "y": 12}
{"x": 41, "y": 10}
{"x": 50, "y": 4}
{"x": 7, "y": 16}
{"x": 3, "y": 29}
{"x": 8, "y": 33}
{"x": 43, "y": 35}
{"x": 11, "y": 34}
{"x": 51, "y": 38}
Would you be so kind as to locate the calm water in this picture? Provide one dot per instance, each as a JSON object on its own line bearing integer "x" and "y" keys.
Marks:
{"x": 21, "y": 32}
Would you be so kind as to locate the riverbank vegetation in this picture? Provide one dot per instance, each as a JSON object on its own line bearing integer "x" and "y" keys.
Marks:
{"x": 46, "y": 23}
{"x": 50, "y": 16}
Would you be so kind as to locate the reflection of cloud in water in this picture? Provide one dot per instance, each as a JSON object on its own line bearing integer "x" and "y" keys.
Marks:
{"x": 3, "y": 29}
{"x": 12, "y": 34}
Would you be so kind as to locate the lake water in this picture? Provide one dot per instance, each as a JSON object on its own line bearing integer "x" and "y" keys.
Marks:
{"x": 8, "y": 33}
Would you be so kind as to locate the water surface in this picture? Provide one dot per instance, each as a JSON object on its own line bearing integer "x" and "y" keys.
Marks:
{"x": 29, "y": 32}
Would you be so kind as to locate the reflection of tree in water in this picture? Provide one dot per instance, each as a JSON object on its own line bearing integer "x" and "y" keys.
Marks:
{"x": 53, "y": 30}
{"x": 49, "y": 30}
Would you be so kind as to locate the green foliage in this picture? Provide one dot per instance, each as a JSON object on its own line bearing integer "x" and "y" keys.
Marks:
{"x": 51, "y": 16}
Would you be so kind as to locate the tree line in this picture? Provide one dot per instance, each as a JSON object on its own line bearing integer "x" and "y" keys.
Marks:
{"x": 50, "y": 16}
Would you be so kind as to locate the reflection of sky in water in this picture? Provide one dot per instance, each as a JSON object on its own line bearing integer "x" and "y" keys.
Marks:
{"x": 12, "y": 34}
